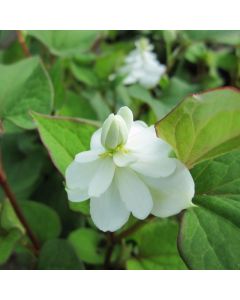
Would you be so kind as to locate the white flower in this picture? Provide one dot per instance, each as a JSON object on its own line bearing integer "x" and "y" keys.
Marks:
{"x": 128, "y": 170}
{"x": 142, "y": 66}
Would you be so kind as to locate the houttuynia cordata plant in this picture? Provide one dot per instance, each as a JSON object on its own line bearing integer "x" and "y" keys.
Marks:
{"x": 119, "y": 150}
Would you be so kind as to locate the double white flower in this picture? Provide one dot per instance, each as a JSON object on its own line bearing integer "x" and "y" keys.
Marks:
{"x": 142, "y": 66}
{"x": 128, "y": 170}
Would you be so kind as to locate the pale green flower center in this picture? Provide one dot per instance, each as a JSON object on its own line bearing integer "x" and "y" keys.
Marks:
{"x": 111, "y": 152}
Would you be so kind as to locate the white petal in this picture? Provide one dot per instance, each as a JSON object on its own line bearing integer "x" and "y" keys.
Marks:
{"x": 157, "y": 166}
{"x": 139, "y": 136}
{"x": 172, "y": 194}
{"x": 77, "y": 195}
{"x": 151, "y": 151}
{"x": 87, "y": 156}
{"x": 149, "y": 82}
{"x": 78, "y": 176}
{"x": 130, "y": 79}
{"x": 108, "y": 211}
{"x": 96, "y": 140}
{"x": 124, "y": 159}
{"x": 134, "y": 193}
{"x": 102, "y": 178}
{"x": 144, "y": 139}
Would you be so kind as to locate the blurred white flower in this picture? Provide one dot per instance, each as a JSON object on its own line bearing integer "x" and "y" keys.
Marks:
{"x": 128, "y": 170}
{"x": 142, "y": 66}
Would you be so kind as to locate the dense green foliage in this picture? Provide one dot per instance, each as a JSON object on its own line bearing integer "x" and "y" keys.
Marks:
{"x": 52, "y": 102}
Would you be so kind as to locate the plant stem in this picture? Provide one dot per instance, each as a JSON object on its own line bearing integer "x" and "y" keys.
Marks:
{"x": 23, "y": 44}
{"x": 113, "y": 240}
{"x": 133, "y": 229}
{"x": 111, "y": 244}
{"x": 10, "y": 195}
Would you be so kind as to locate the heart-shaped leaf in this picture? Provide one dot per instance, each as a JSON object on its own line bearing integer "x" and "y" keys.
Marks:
{"x": 86, "y": 243}
{"x": 66, "y": 42}
{"x": 24, "y": 86}
{"x": 203, "y": 126}
{"x": 42, "y": 219}
{"x": 7, "y": 244}
{"x": 210, "y": 233}
{"x": 64, "y": 137}
{"x": 58, "y": 254}
{"x": 157, "y": 247}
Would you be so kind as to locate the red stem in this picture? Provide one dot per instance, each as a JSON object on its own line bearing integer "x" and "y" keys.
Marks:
{"x": 23, "y": 44}
{"x": 9, "y": 194}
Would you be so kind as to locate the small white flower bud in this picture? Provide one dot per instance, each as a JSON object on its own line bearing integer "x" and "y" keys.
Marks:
{"x": 144, "y": 45}
{"x": 127, "y": 116}
{"x": 114, "y": 132}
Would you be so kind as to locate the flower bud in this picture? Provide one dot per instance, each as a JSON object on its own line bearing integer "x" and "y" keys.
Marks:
{"x": 144, "y": 45}
{"x": 127, "y": 116}
{"x": 114, "y": 132}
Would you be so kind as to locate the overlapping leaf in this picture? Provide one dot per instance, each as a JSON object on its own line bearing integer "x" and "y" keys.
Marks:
{"x": 66, "y": 42}
{"x": 64, "y": 137}
{"x": 203, "y": 126}
{"x": 24, "y": 86}
{"x": 157, "y": 247}
{"x": 210, "y": 233}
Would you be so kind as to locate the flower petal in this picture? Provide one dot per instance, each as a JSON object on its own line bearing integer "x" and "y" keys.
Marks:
{"x": 96, "y": 140}
{"x": 77, "y": 195}
{"x": 172, "y": 194}
{"x": 108, "y": 211}
{"x": 78, "y": 176}
{"x": 87, "y": 156}
{"x": 151, "y": 152}
{"x": 124, "y": 159}
{"x": 134, "y": 193}
{"x": 102, "y": 178}
{"x": 139, "y": 136}
{"x": 155, "y": 167}
{"x": 127, "y": 116}
{"x": 144, "y": 140}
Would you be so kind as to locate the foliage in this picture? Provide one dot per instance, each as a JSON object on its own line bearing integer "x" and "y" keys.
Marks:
{"x": 52, "y": 102}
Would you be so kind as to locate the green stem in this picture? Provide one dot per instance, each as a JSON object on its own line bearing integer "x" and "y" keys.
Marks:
{"x": 113, "y": 240}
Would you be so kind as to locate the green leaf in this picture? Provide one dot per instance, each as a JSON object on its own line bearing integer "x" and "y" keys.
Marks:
{"x": 210, "y": 233}
{"x": 8, "y": 218}
{"x": 139, "y": 93}
{"x": 24, "y": 258}
{"x": 82, "y": 207}
{"x": 229, "y": 37}
{"x": 176, "y": 91}
{"x": 84, "y": 74}
{"x": 42, "y": 219}
{"x": 196, "y": 52}
{"x": 157, "y": 249}
{"x": 77, "y": 106}
{"x": 7, "y": 244}
{"x": 22, "y": 153}
{"x": 64, "y": 137}
{"x": 24, "y": 86}
{"x": 57, "y": 76}
{"x": 98, "y": 103}
{"x": 66, "y": 42}
{"x": 86, "y": 243}
{"x": 203, "y": 126}
{"x": 108, "y": 63}
{"x": 58, "y": 254}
